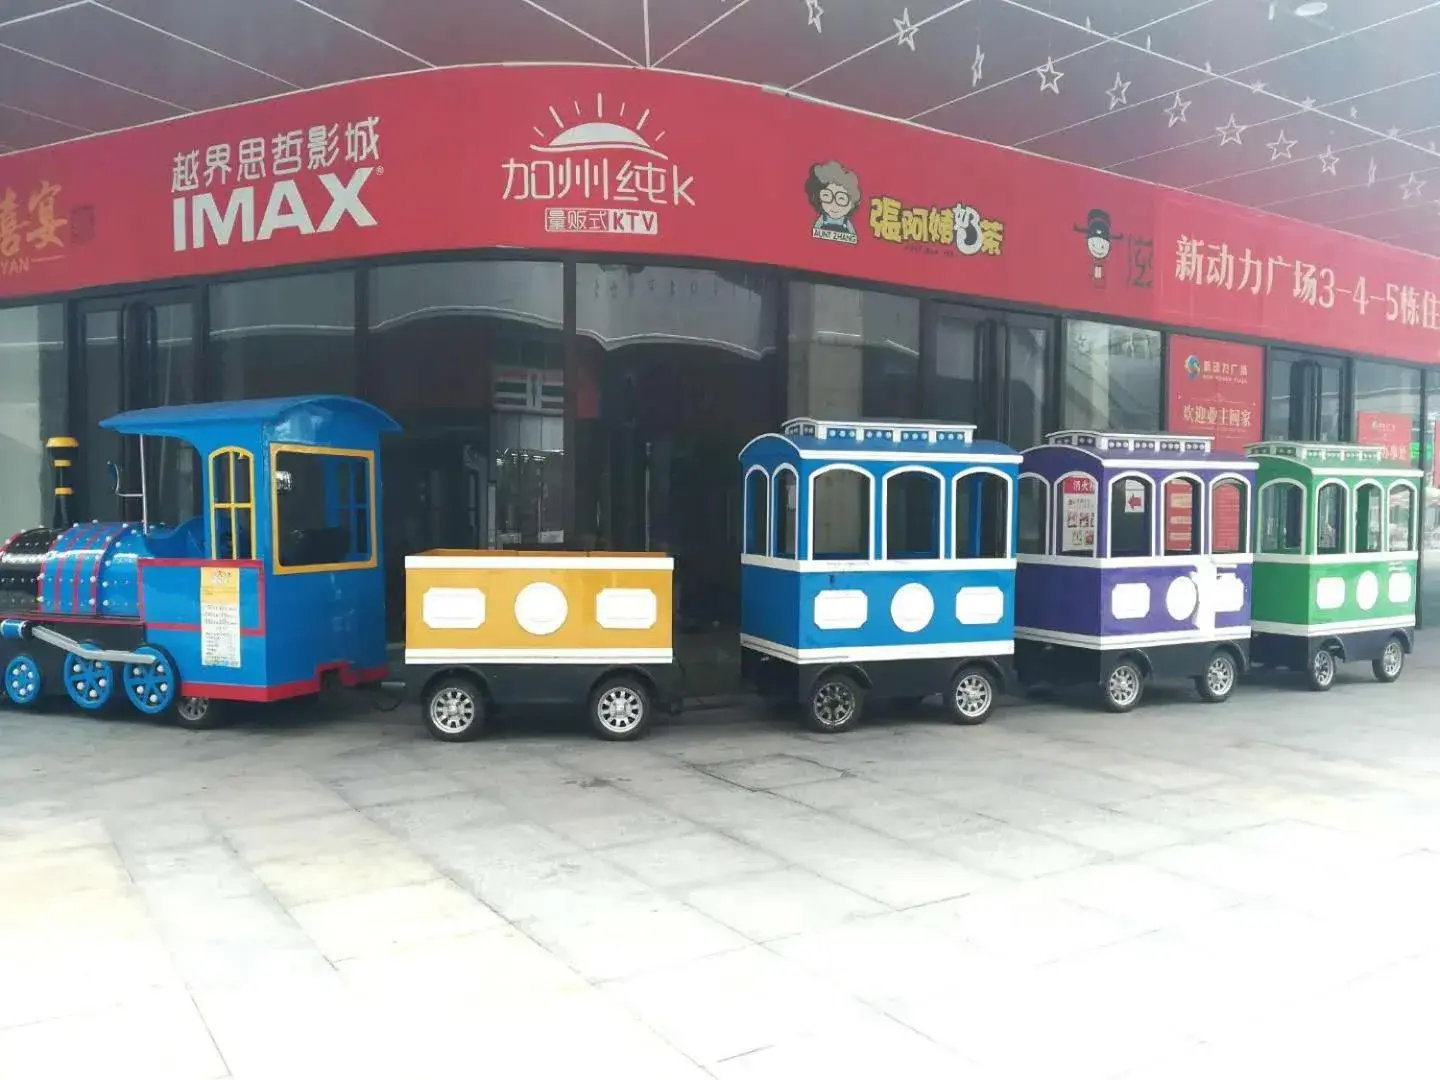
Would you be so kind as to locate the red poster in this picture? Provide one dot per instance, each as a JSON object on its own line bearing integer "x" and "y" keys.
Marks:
{"x": 1217, "y": 388}
{"x": 1392, "y": 431}
{"x": 660, "y": 166}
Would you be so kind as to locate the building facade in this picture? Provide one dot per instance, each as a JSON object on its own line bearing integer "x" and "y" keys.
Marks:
{"x": 581, "y": 290}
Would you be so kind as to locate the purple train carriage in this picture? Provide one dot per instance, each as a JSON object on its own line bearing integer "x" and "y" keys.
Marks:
{"x": 1134, "y": 563}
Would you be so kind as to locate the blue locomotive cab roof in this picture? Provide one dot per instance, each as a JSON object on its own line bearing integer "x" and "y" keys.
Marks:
{"x": 319, "y": 419}
{"x": 841, "y": 440}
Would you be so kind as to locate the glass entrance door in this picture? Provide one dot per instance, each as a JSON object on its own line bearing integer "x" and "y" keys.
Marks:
{"x": 993, "y": 369}
{"x": 134, "y": 352}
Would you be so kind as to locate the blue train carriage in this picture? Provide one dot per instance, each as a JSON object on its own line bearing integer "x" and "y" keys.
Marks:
{"x": 274, "y": 591}
{"x": 878, "y": 560}
{"x": 1337, "y": 562}
{"x": 1135, "y": 563}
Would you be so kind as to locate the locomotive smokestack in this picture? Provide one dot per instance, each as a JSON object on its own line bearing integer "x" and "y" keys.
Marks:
{"x": 62, "y": 454}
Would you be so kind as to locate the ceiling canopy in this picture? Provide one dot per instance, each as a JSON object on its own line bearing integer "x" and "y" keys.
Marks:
{"x": 1328, "y": 113}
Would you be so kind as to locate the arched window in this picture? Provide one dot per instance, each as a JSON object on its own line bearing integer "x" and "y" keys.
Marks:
{"x": 1077, "y": 510}
{"x": 1033, "y": 512}
{"x": 757, "y": 512}
{"x": 1402, "y": 518}
{"x": 840, "y": 501}
{"x": 1229, "y": 516}
{"x": 1332, "y": 512}
{"x": 784, "y": 511}
{"x": 1132, "y": 516}
{"x": 1282, "y": 518}
{"x": 1184, "y": 514}
{"x": 232, "y": 504}
{"x": 982, "y": 515}
{"x": 1369, "y": 518}
{"x": 912, "y": 514}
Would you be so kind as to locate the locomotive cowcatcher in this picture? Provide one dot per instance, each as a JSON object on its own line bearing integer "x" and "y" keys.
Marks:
{"x": 274, "y": 591}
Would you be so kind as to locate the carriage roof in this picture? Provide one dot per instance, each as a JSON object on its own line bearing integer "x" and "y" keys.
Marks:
{"x": 1328, "y": 459}
{"x": 311, "y": 419}
{"x": 1147, "y": 452}
{"x": 878, "y": 440}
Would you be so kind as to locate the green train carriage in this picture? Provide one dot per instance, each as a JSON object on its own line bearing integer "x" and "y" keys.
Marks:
{"x": 1336, "y": 560}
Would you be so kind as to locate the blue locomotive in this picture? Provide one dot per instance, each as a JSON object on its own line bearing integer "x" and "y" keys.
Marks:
{"x": 878, "y": 559}
{"x": 274, "y": 591}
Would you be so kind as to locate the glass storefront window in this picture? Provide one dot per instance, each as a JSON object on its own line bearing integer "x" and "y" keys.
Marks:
{"x": 675, "y": 372}
{"x": 33, "y": 407}
{"x": 1112, "y": 377}
{"x": 279, "y": 336}
{"x": 1303, "y": 397}
{"x": 856, "y": 354}
{"x": 469, "y": 357}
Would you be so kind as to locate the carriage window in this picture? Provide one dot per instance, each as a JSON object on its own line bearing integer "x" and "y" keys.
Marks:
{"x": 322, "y": 510}
{"x": 1079, "y": 514}
{"x": 232, "y": 504}
{"x": 1369, "y": 519}
{"x": 757, "y": 513}
{"x": 912, "y": 515}
{"x": 1282, "y": 519}
{"x": 1034, "y": 504}
{"x": 1229, "y": 517}
{"x": 784, "y": 513}
{"x": 982, "y": 516}
{"x": 1132, "y": 520}
{"x": 840, "y": 514}
{"x": 1402, "y": 518}
{"x": 1330, "y": 514}
{"x": 1183, "y": 502}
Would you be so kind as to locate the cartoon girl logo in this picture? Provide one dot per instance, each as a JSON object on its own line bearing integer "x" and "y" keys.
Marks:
{"x": 834, "y": 194}
{"x": 1098, "y": 241}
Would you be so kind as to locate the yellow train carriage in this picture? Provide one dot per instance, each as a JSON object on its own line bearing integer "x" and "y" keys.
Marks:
{"x": 489, "y": 629}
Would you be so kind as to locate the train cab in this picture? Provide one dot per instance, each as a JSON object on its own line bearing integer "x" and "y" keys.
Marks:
{"x": 273, "y": 591}
{"x": 878, "y": 560}
{"x": 1135, "y": 563}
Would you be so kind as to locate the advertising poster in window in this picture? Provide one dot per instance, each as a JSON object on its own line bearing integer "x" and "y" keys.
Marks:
{"x": 220, "y": 616}
{"x": 1216, "y": 388}
{"x": 1394, "y": 433}
{"x": 1079, "y": 508}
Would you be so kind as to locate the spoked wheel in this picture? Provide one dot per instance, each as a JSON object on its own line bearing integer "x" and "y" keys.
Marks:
{"x": 1320, "y": 671}
{"x": 455, "y": 710}
{"x": 836, "y": 704}
{"x": 22, "y": 680}
{"x": 1123, "y": 685}
{"x": 89, "y": 682}
{"x": 620, "y": 709}
{"x": 1221, "y": 675}
{"x": 152, "y": 688}
{"x": 972, "y": 695}
{"x": 1391, "y": 662}
{"x": 198, "y": 713}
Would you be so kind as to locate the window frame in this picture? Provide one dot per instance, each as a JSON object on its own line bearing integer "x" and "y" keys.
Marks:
{"x": 1347, "y": 525}
{"x": 1248, "y": 505}
{"x": 1057, "y": 500}
{"x": 234, "y": 454}
{"x": 1149, "y": 482}
{"x": 869, "y": 478}
{"x": 1382, "y": 494}
{"x": 955, "y": 482}
{"x": 940, "y": 531}
{"x": 1414, "y": 522}
{"x": 1199, "y": 493}
{"x": 368, "y": 456}
{"x": 766, "y": 542}
{"x": 1302, "y": 549}
{"x": 1047, "y": 539}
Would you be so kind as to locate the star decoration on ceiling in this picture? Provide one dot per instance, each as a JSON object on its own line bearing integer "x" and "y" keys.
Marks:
{"x": 1328, "y": 161}
{"x": 1354, "y": 112}
{"x": 1231, "y": 131}
{"x": 1176, "y": 110}
{"x": 1390, "y": 133}
{"x": 977, "y": 69}
{"x": 1257, "y": 86}
{"x": 1280, "y": 148}
{"x": 1049, "y": 76}
{"x": 1370, "y": 176}
{"x": 1308, "y": 103}
{"x": 1412, "y": 187}
{"x": 1117, "y": 93}
{"x": 813, "y": 13}
{"x": 906, "y": 30}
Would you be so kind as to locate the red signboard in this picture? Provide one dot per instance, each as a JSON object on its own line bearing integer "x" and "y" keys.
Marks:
{"x": 1395, "y": 432}
{"x": 663, "y": 165}
{"x": 1217, "y": 388}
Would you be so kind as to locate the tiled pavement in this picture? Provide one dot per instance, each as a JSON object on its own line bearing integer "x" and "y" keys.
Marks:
{"x": 1186, "y": 891}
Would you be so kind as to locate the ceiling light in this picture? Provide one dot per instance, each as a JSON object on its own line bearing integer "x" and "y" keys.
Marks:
{"x": 1310, "y": 10}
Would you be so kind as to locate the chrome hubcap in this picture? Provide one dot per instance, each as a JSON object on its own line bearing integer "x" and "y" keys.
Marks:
{"x": 1393, "y": 658}
{"x": 452, "y": 710}
{"x": 972, "y": 695}
{"x": 1324, "y": 667}
{"x": 1220, "y": 675}
{"x": 1124, "y": 685}
{"x": 834, "y": 704}
{"x": 620, "y": 709}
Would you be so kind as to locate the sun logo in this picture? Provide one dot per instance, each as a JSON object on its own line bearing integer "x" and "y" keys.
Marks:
{"x": 597, "y": 133}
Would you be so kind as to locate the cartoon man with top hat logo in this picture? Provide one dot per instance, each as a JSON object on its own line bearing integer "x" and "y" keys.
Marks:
{"x": 1098, "y": 241}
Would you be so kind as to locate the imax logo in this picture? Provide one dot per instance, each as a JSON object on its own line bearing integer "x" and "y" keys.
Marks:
{"x": 198, "y": 219}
